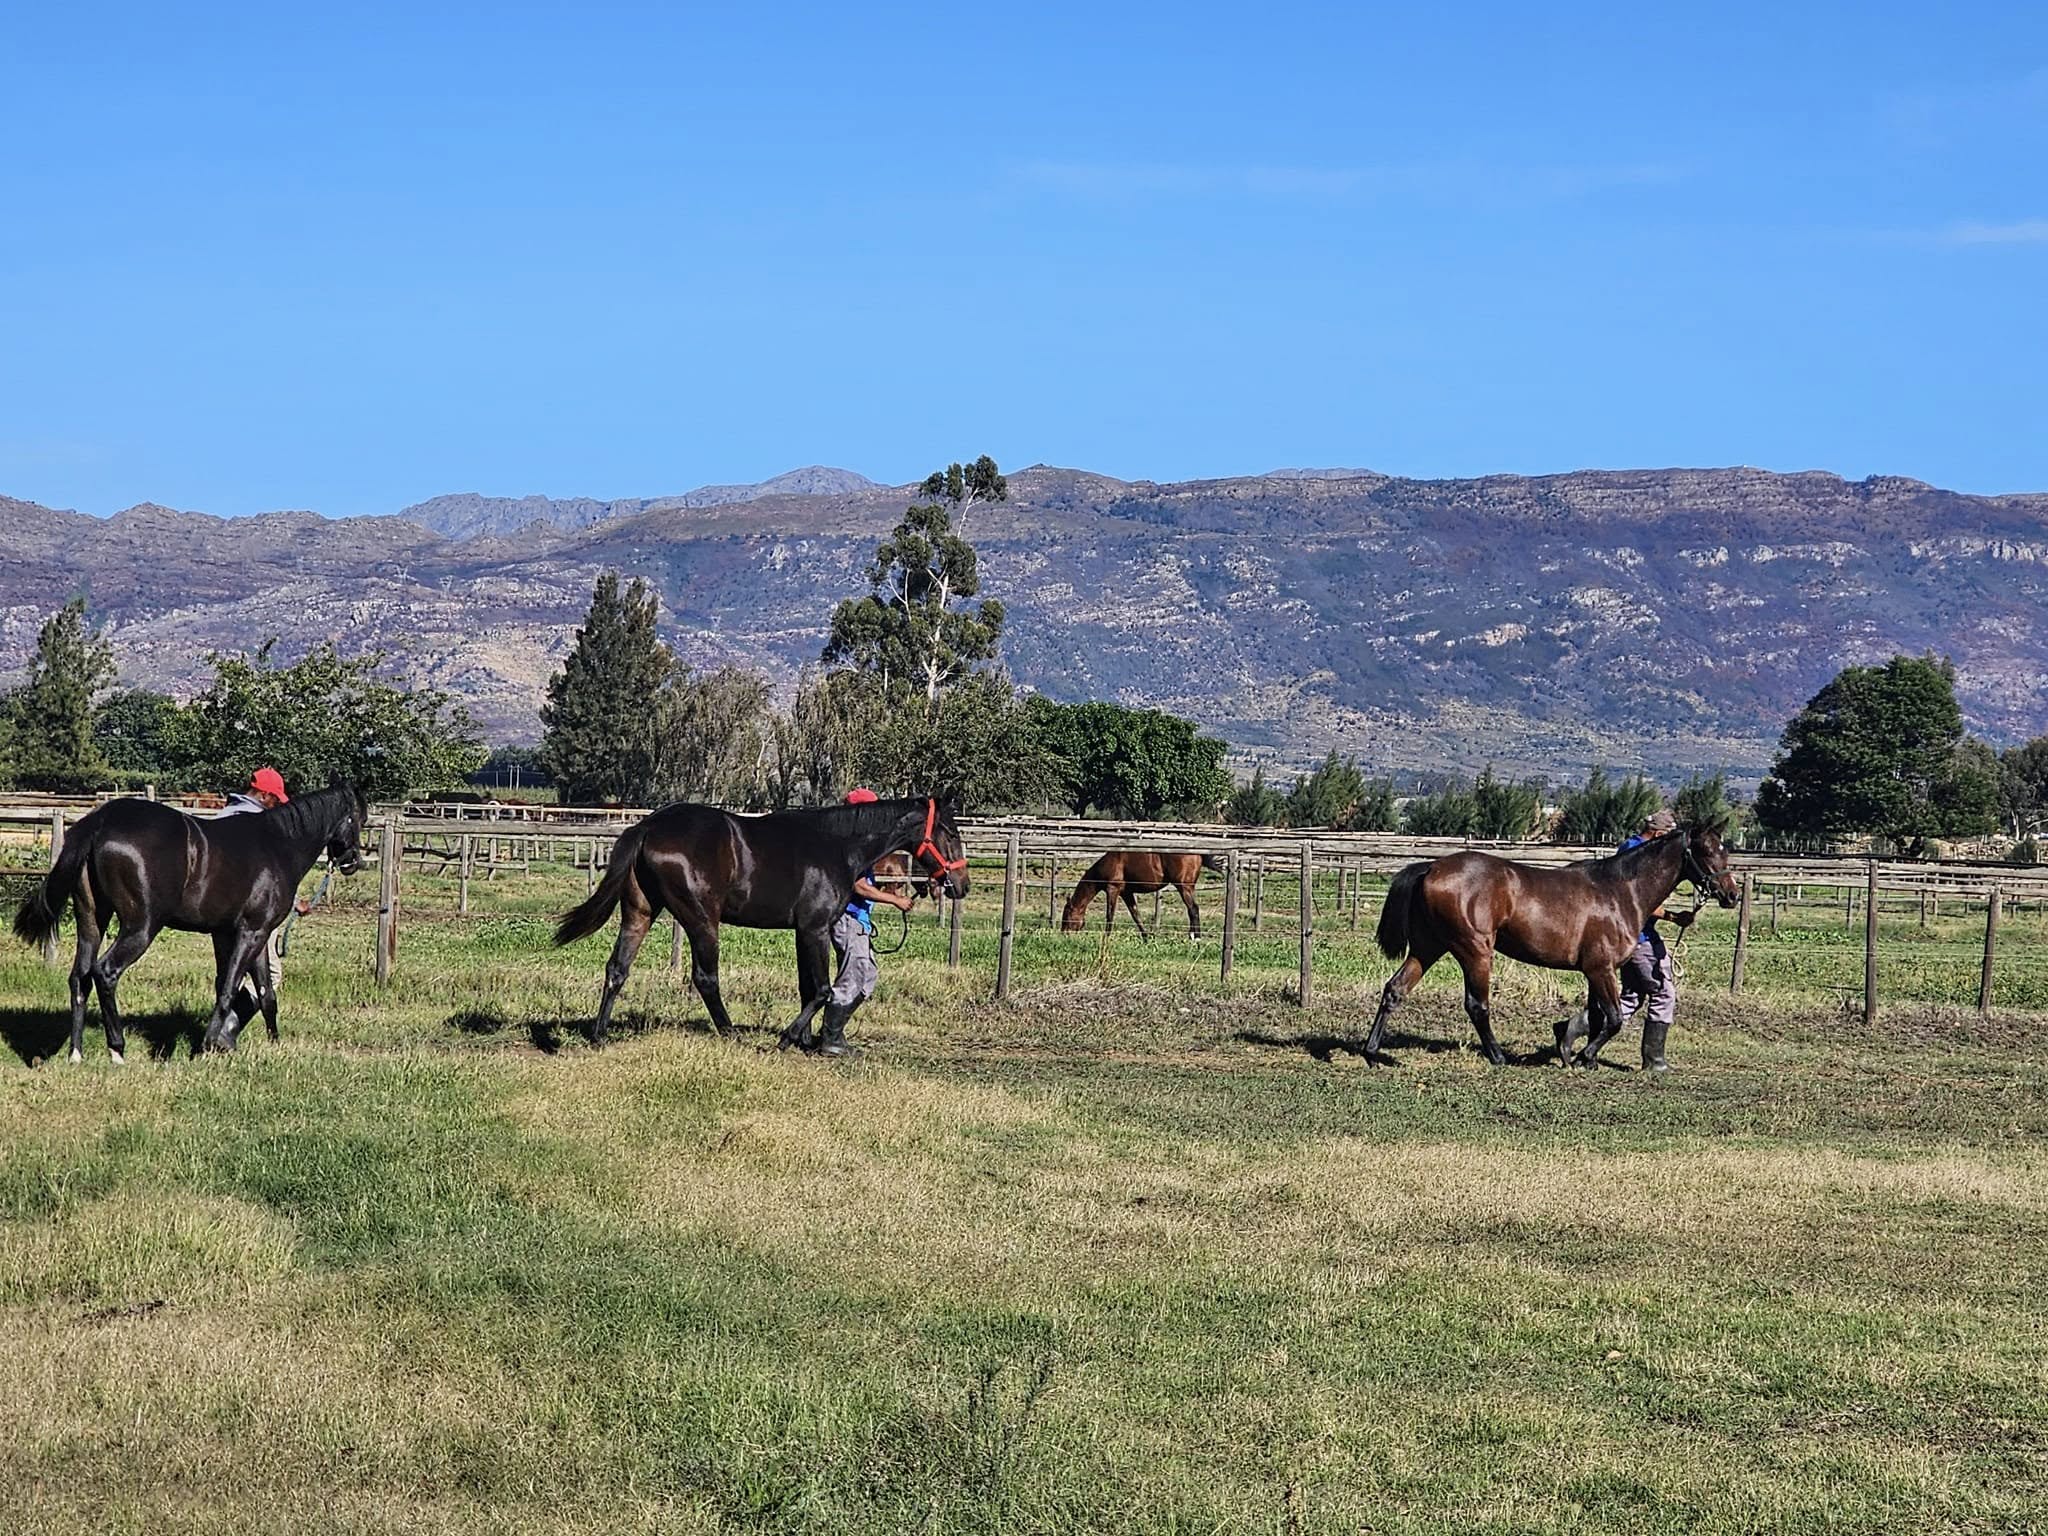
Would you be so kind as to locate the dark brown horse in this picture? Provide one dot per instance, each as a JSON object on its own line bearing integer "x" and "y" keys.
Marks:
{"x": 790, "y": 869}
{"x": 1583, "y": 917}
{"x": 153, "y": 868}
{"x": 1128, "y": 872}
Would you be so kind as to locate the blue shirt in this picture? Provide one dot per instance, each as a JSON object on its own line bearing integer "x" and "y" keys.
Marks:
{"x": 861, "y": 910}
{"x": 1636, "y": 842}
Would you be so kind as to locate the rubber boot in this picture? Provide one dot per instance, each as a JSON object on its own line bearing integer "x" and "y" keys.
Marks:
{"x": 833, "y": 1041}
{"x": 1653, "y": 1046}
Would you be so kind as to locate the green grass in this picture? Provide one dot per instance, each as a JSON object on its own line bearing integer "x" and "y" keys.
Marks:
{"x": 1137, "y": 1252}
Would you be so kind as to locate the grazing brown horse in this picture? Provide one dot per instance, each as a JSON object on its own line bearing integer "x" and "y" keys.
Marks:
{"x": 1129, "y": 872}
{"x": 1583, "y": 917}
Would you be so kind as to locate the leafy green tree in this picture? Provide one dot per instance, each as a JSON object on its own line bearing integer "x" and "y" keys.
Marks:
{"x": 1136, "y": 763}
{"x": 1256, "y": 803}
{"x": 50, "y": 738}
{"x": 322, "y": 715}
{"x": 1376, "y": 809}
{"x": 980, "y": 747}
{"x": 1600, "y": 812}
{"x": 1504, "y": 811}
{"x": 1702, "y": 801}
{"x": 1448, "y": 812}
{"x": 2023, "y": 787}
{"x": 1324, "y": 796}
{"x": 145, "y": 736}
{"x": 1881, "y": 750}
{"x": 598, "y": 740}
{"x": 814, "y": 745}
{"x": 712, "y": 738}
{"x": 907, "y": 631}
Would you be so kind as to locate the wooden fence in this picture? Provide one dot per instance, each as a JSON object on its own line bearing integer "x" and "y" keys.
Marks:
{"x": 483, "y": 841}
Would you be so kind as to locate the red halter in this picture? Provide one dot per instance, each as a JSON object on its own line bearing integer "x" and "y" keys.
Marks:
{"x": 939, "y": 862}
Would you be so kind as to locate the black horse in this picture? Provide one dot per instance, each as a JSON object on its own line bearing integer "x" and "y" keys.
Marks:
{"x": 155, "y": 868}
{"x": 1583, "y": 917}
{"x": 791, "y": 869}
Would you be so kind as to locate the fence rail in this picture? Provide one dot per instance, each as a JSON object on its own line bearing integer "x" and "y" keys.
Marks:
{"x": 468, "y": 840}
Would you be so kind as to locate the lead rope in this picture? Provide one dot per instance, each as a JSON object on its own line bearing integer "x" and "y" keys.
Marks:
{"x": 284, "y": 940}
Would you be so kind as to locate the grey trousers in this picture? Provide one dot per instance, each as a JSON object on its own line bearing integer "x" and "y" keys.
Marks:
{"x": 1647, "y": 976}
{"x": 858, "y": 974}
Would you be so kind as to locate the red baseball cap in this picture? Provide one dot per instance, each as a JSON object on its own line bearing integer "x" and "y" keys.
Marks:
{"x": 271, "y": 782}
{"x": 861, "y": 797}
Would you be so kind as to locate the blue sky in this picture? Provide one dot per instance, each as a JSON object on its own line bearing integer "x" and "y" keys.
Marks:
{"x": 256, "y": 260}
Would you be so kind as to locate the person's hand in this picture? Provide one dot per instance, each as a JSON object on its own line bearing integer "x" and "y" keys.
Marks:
{"x": 904, "y": 901}
{"x": 302, "y": 906}
{"x": 1683, "y": 919}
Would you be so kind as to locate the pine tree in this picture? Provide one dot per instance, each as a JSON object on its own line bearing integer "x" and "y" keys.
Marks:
{"x": 598, "y": 740}
{"x": 52, "y": 744}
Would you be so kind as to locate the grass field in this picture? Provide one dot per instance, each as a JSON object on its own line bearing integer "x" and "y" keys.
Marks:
{"x": 1135, "y": 1253}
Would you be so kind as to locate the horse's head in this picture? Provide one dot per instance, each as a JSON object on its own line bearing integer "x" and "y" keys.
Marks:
{"x": 940, "y": 853}
{"x": 1076, "y": 912}
{"x": 345, "y": 840}
{"x": 1706, "y": 864}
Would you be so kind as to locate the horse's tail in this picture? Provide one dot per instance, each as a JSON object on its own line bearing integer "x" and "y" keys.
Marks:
{"x": 1213, "y": 862}
{"x": 586, "y": 919}
{"x": 44, "y": 909}
{"x": 1393, "y": 933}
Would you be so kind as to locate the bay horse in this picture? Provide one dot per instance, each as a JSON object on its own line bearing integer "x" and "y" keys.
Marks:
{"x": 1125, "y": 872}
{"x": 706, "y": 867}
{"x": 152, "y": 867}
{"x": 1582, "y": 917}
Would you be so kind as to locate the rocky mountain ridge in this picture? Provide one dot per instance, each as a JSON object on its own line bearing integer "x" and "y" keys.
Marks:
{"x": 1666, "y": 619}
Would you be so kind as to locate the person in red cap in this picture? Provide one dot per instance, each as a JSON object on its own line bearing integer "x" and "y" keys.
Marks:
{"x": 853, "y": 937}
{"x": 265, "y": 793}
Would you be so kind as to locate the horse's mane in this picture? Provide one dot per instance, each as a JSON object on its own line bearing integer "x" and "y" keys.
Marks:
{"x": 1628, "y": 858}
{"x": 857, "y": 820}
{"x": 306, "y": 814}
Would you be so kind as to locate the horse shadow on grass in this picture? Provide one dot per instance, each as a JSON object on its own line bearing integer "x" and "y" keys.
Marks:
{"x": 548, "y": 1036}
{"x": 37, "y": 1035}
{"x": 1326, "y": 1047}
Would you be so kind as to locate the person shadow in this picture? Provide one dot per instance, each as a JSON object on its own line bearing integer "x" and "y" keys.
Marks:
{"x": 37, "y": 1035}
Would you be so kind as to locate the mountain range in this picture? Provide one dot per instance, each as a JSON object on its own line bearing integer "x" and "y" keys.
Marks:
{"x": 1663, "y": 619}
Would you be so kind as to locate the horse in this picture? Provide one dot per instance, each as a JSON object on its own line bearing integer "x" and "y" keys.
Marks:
{"x": 1583, "y": 917}
{"x": 789, "y": 869}
{"x": 153, "y": 868}
{"x": 1125, "y": 872}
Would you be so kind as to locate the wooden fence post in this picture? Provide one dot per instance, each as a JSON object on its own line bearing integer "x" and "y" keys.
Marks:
{"x": 1259, "y": 893}
{"x": 1052, "y": 888}
{"x": 462, "y": 898}
{"x": 1357, "y": 880}
{"x": 1991, "y": 905}
{"x": 1308, "y": 877}
{"x": 1870, "y": 948}
{"x": 1229, "y": 911}
{"x": 387, "y": 902}
{"x": 56, "y": 847}
{"x": 1009, "y": 920}
{"x": 953, "y": 934}
{"x": 1741, "y": 935}
{"x": 1775, "y": 894}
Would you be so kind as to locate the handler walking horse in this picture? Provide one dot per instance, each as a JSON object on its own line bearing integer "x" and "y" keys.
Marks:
{"x": 790, "y": 869}
{"x": 1583, "y": 917}
{"x": 153, "y": 868}
{"x": 1127, "y": 872}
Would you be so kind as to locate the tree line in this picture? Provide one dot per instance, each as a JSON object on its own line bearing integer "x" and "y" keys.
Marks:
{"x": 908, "y": 696}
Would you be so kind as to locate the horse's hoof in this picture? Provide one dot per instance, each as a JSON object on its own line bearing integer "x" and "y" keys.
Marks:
{"x": 117, "y": 1059}
{"x": 77, "y": 1057}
